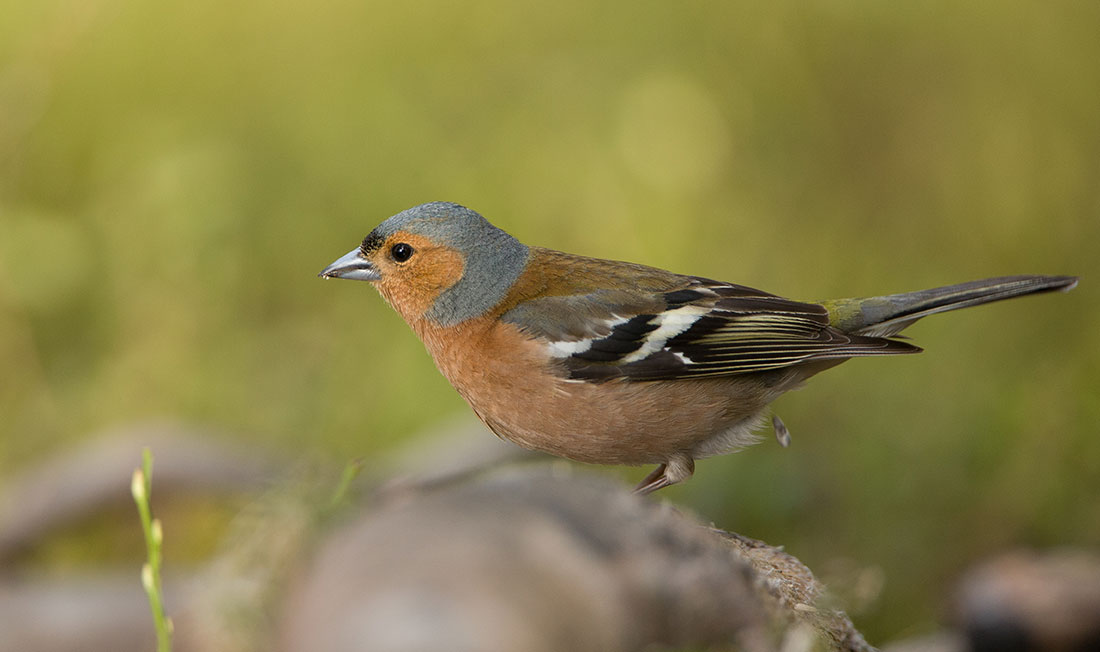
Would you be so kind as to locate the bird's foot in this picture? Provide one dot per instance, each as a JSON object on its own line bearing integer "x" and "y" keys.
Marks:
{"x": 782, "y": 435}
{"x": 677, "y": 469}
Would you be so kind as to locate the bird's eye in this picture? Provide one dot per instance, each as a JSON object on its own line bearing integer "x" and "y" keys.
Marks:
{"x": 401, "y": 252}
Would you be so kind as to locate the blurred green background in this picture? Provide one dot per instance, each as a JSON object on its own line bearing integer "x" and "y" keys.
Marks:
{"x": 173, "y": 175}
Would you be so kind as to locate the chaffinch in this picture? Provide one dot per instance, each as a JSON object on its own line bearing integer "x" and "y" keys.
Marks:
{"x": 617, "y": 363}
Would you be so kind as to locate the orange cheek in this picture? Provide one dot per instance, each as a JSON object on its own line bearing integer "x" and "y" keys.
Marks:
{"x": 412, "y": 289}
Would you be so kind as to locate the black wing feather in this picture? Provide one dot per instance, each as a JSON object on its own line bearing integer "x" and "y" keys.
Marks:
{"x": 744, "y": 331}
{"x": 722, "y": 330}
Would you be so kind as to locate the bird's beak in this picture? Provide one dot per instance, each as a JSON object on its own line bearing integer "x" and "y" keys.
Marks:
{"x": 352, "y": 265}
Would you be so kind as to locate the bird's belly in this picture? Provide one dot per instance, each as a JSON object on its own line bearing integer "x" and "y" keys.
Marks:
{"x": 624, "y": 422}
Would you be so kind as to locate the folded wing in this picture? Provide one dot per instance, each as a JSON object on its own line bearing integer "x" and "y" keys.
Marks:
{"x": 702, "y": 329}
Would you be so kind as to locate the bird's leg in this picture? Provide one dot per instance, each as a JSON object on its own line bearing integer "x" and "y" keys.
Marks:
{"x": 678, "y": 468}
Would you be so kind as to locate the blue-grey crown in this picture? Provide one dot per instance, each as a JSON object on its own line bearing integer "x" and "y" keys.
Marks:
{"x": 493, "y": 260}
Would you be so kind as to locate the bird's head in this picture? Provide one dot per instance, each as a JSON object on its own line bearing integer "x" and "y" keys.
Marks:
{"x": 437, "y": 261}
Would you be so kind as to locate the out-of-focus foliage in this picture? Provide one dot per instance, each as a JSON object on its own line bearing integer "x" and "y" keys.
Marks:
{"x": 174, "y": 174}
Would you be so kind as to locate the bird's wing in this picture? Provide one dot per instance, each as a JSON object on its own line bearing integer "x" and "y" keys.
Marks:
{"x": 704, "y": 328}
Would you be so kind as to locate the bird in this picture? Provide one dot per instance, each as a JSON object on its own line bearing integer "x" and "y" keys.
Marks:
{"x": 618, "y": 363}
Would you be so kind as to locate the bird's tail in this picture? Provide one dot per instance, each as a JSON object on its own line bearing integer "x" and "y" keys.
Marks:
{"x": 889, "y": 315}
